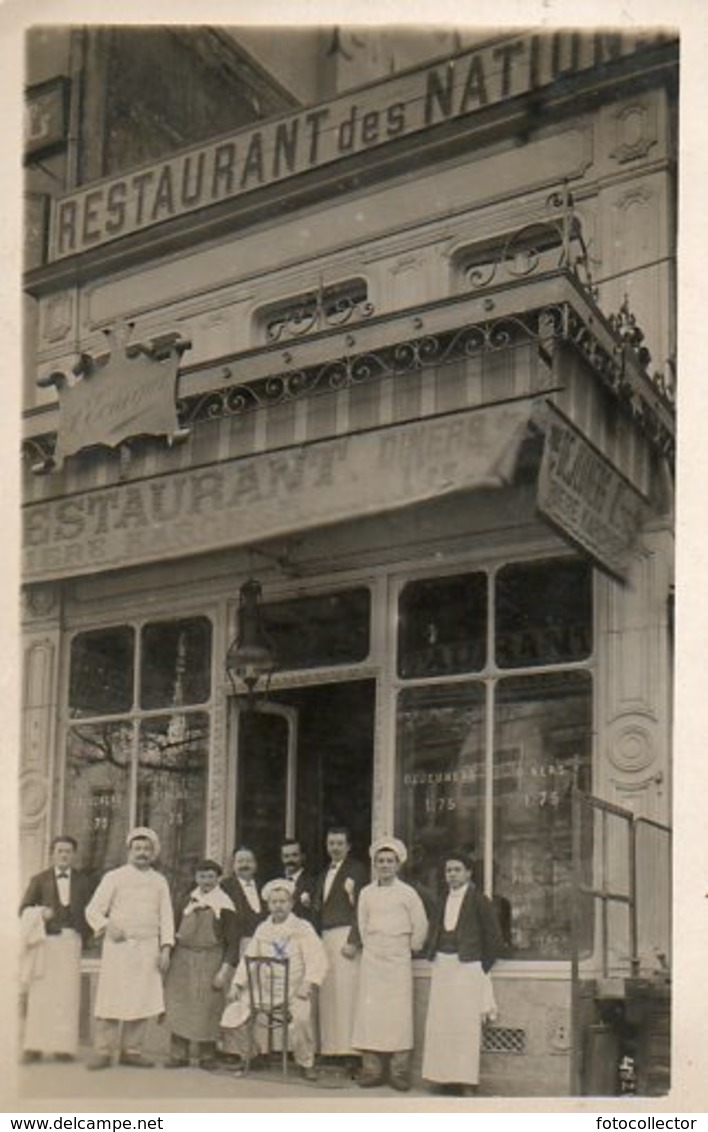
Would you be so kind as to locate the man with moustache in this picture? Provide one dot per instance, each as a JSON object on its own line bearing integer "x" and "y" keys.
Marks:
{"x": 132, "y": 910}
{"x": 293, "y": 860}
{"x": 249, "y": 910}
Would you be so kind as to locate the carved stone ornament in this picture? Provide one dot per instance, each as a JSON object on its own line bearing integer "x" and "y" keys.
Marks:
{"x": 33, "y": 797}
{"x": 631, "y": 749}
{"x": 127, "y": 390}
{"x": 40, "y": 601}
{"x": 635, "y": 132}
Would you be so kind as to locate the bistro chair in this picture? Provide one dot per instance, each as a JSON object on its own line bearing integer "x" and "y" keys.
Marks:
{"x": 268, "y": 988}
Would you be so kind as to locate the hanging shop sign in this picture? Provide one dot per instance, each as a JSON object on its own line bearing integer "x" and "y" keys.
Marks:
{"x": 253, "y": 158}
{"x": 128, "y": 390}
{"x": 273, "y": 493}
{"x": 585, "y": 497}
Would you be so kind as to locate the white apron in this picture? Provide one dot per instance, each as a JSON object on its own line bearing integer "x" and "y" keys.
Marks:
{"x": 383, "y": 1019}
{"x": 392, "y": 923}
{"x": 53, "y": 997}
{"x": 129, "y": 981}
{"x": 459, "y": 995}
{"x": 337, "y": 995}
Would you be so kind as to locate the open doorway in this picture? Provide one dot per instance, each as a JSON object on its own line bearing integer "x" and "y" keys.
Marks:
{"x": 305, "y": 763}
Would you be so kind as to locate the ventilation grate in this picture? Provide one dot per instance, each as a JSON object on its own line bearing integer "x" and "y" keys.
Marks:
{"x": 503, "y": 1039}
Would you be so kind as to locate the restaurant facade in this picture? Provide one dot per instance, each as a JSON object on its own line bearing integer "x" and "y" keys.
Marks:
{"x": 389, "y": 381}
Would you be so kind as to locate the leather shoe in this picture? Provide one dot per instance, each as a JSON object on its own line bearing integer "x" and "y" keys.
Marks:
{"x": 100, "y": 1061}
{"x": 309, "y": 1073}
{"x": 136, "y": 1061}
{"x": 31, "y": 1055}
{"x": 401, "y": 1084}
{"x": 367, "y": 1082}
{"x": 209, "y": 1063}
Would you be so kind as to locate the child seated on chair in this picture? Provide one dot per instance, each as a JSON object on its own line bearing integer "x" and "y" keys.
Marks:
{"x": 283, "y": 936}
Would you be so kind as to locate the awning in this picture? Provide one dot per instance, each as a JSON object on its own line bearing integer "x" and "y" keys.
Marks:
{"x": 247, "y": 500}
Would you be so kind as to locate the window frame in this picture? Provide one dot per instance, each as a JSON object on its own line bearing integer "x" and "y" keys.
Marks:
{"x": 489, "y": 676}
{"x": 135, "y": 715}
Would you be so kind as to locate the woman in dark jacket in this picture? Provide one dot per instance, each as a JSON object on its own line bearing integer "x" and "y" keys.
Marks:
{"x": 463, "y": 943}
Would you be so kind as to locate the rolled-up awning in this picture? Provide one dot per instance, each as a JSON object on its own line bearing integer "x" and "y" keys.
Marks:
{"x": 247, "y": 500}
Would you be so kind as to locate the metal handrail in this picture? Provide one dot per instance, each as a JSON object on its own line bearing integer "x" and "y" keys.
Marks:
{"x": 581, "y": 802}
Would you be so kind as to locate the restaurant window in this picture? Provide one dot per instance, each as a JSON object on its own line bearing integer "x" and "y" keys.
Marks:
{"x": 529, "y": 250}
{"x": 490, "y": 743}
{"x": 442, "y": 626}
{"x": 321, "y": 631}
{"x": 127, "y": 764}
{"x": 322, "y": 308}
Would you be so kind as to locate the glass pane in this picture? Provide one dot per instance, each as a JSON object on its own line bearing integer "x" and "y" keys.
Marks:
{"x": 314, "y": 632}
{"x": 176, "y": 663}
{"x": 262, "y": 784}
{"x": 97, "y": 792}
{"x": 442, "y": 626}
{"x": 440, "y": 777}
{"x": 171, "y": 796}
{"x": 101, "y": 672}
{"x": 543, "y": 735}
{"x": 543, "y": 613}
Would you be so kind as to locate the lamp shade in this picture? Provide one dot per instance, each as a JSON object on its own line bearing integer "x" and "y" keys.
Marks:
{"x": 250, "y": 657}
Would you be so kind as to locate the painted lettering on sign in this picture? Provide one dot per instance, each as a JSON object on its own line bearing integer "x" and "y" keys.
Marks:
{"x": 241, "y": 501}
{"x": 383, "y": 112}
{"x": 586, "y": 497}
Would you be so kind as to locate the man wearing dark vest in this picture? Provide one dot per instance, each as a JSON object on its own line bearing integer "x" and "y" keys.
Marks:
{"x": 335, "y": 901}
{"x": 53, "y": 928}
{"x": 293, "y": 860}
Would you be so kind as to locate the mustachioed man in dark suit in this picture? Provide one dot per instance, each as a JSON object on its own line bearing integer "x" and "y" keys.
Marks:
{"x": 53, "y": 930}
{"x": 335, "y": 903}
{"x": 293, "y": 860}
{"x": 249, "y": 909}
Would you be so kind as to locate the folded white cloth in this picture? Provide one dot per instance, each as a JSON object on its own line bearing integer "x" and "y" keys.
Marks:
{"x": 488, "y": 1011}
{"x": 32, "y": 937}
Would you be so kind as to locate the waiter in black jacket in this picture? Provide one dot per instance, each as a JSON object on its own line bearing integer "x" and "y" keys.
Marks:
{"x": 335, "y": 901}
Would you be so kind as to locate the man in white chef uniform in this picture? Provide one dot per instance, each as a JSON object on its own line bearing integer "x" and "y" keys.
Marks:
{"x": 132, "y": 910}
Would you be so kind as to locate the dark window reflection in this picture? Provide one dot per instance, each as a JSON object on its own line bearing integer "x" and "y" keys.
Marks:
{"x": 441, "y": 775}
{"x": 173, "y": 758}
{"x": 314, "y": 632}
{"x": 101, "y": 672}
{"x": 543, "y": 613}
{"x": 442, "y": 626}
{"x": 175, "y": 663}
{"x": 542, "y": 743}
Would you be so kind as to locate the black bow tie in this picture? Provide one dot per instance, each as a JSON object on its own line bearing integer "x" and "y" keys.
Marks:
{"x": 62, "y": 874}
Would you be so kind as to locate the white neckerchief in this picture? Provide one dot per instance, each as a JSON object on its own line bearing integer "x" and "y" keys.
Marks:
{"x": 452, "y": 908}
{"x": 250, "y": 891}
{"x": 330, "y": 875}
{"x": 218, "y": 900}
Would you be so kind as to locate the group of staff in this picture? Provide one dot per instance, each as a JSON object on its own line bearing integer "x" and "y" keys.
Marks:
{"x": 348, "y": 941}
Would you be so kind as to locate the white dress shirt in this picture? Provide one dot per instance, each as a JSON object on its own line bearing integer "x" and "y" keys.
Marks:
{"x": 63, "y": 886}
{"x": 329, "y": 878}
{"x": 452, "y": 908}
{"x": 251, "y": 893}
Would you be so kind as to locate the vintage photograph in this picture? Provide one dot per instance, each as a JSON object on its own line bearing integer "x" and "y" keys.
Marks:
{"x": 348, "y": 445}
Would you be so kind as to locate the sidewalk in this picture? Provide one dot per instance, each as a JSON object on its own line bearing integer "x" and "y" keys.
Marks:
{"x": 130, "y": 1089}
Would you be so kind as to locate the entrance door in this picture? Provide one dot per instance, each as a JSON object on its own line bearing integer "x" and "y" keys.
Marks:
{"x": 305, "y": 762}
